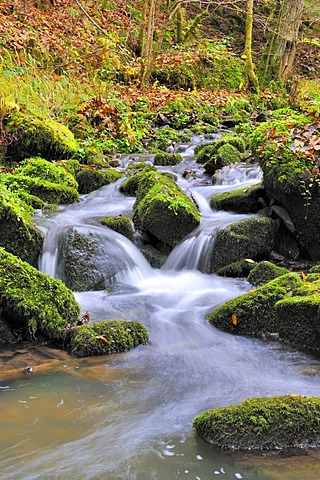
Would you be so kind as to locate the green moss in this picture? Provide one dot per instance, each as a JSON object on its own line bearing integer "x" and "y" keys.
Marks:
{"x": 272, "y": 145}
{"x": 251, "y": 238}
{"x": 226, "y": 155}
{"x": 241, "y": 268}
{"x": 52, "y": 172}
{"x": 300, "y": 317}
{"x": 118, "y": 336}
{"x": 244, "y": 200}
{"x": 164, "y": 158}
{"x": 47, "y": 191}
{"x": 277, "y": 423}
{"x": 18, "y": 234}
{"x": 46, "y": 138}
{"x": 235, "y": 140}
{"x": 90, "y": 179}
{"x": 164, "y": 209}
{"x": 203, "y": 153}
{"x": 119, "y": 223}
{"x": 255, "y": 311}
{"x": 165, "y": 137}
{"x": 264, "y": 272}
{"x": 34, "y": 300}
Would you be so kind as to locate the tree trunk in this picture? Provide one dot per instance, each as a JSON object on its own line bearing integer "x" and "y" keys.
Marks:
{"x": 147, "y": 40}
{"x": 282, "y": 44}
{"x": 253, "y": 85}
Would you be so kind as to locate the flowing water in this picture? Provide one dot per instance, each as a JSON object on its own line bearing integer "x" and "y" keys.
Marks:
{"x": 129, "y": 416}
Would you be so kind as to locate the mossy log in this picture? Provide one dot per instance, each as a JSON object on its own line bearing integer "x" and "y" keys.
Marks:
{"x": 276, "y": 423}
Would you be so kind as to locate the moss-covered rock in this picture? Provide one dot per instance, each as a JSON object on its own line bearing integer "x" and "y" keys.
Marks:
{"x": 251, "y": 238}
{"x": 291, "y": 173}
{"x": 204, "y": 152}
{"x": 265, "y": 271}
{"x": 244, "y": 200}
{"x": 165, "y": 158}
{"x": 278, "y": 423}
{"x": 101, "y": 338}
{"x": 226, "y": 155}
{"x": 31, "y": 299}
{"x": 45, "y": 138}
{"x": 156, "y": 258}
{"x": 241, "y": 268}
{"x": 254, "y": 313}
{"x": 164, "y": 210}
{"x": 119, "y": 223}
{"x": 166, "y": 137}
{"x": 89, "y": 261}
{"x": 37, "y": 167}
{"x": 18, "y": 234}
{"x": 47, "y": 191}
{"x": 130, "y": 186}
{"x": 299, "y": 317}
{"x": 90, "y": 179}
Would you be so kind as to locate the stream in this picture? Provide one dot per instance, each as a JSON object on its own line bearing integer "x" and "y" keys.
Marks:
{"x": 129, "y": 415}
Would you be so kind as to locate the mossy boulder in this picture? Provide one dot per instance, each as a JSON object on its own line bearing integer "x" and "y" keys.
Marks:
{"x": 241, "y": 268}
{"x": 165, "y": 158}
{"x": 89, "y": 261}
{"x": 47, "y": 191}
{"x": 291, "y": 173}
{"x": 156, "y": 258}
{"x": 243, "y": 200}
{"x": 164, "y": 210}
{"x": 226, "y": 155}
{"x": 18, "y": 234}
{"x": 45, "y": 138}
{"x": 252, "y": 238}
{"x": 165, "y": 137}
{"x": 119, "y": 223}
{"x": 204, "y": 152}
{"x": 53, "y": 172}
{"x": 265, "y": 271}
{"x": 276, "y": 423}
{"x": 90, "y": 179}
{"x": 102, "y": 338}
{"x": 34, "y": 301}
{"x": 300, "y": 317}
{"x": 254, "y": 313}
{"x": 130, "y": 186}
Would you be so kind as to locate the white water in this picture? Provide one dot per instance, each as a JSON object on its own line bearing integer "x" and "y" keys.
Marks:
{"x": 129, "y": 416}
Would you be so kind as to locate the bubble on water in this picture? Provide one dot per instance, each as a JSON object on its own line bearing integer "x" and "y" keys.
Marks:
{"x": 170, "y": 446}
{"x": 198, "y": 457}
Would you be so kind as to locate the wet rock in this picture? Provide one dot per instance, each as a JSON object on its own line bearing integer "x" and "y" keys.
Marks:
{"x": 244, "y": 200}
{"x": 284, "y": 423}
{"x": 103, "y": 338}
{"x": 89, "y": 262}
{"x": 252, "y": 238}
